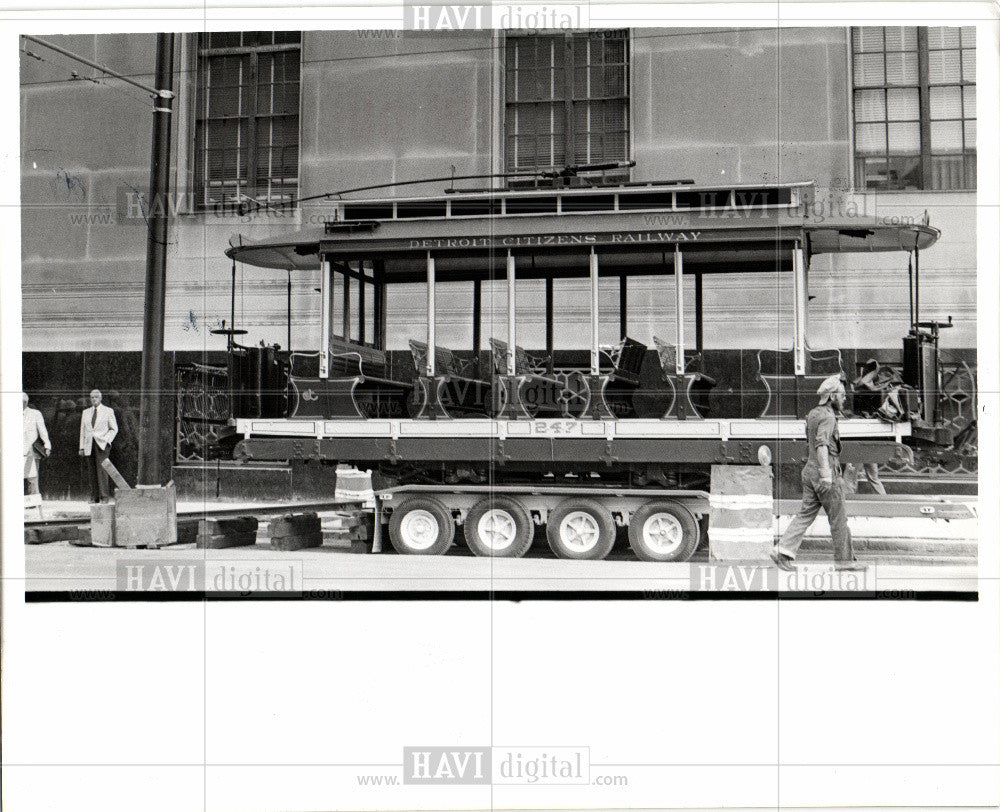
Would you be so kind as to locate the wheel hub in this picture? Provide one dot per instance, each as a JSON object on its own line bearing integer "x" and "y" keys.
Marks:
{"x": 663, "y": 533}
{"x": 579, "y": 531}
{"x": 419, "y": 529}
{"x": 497, "y": 529}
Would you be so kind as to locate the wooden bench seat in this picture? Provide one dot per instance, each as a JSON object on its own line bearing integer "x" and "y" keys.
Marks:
{"x": 788, "y": 394}
{"x": 622, "y": 381}
{"x": 687, "y": 391}
{"x": 535, "y": 387}
{"x": 358, "y": 385}
{"x": 456, "y": 387}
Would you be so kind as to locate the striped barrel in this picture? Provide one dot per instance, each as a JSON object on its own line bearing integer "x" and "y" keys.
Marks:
{"x": 741, "y": 516}
{"x": 354, "y": 486}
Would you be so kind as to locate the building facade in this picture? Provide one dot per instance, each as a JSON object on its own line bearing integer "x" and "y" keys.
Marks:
{"x": 882, "y": 120}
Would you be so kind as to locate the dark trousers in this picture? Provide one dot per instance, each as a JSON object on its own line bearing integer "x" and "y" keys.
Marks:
{"x": 832, "y": 501}
{"x": 99, "y": 487}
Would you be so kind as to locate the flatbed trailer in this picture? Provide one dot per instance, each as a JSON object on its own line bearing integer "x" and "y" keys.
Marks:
{"x": 581, "y": 521}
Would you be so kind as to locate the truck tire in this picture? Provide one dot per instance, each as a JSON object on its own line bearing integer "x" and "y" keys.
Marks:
{"x": 498, "y": 527}
{"x": 580, "y": 530}
{"x": 663, "y": 531}
{"x": 421, "y": 526}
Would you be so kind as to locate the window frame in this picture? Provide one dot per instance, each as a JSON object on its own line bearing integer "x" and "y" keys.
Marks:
{"x": 200, "y": 116}
{"x": 925, "y": 155}
{"x": 569, "y": 127}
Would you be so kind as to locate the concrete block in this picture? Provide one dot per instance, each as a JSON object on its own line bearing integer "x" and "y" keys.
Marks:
{"x": 82, "y": 539}
{"x": 146, "y": 516}
{"x": 102, "y": 524}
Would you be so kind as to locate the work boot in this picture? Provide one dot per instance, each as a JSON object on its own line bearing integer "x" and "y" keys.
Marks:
{"x": 782, "y": 562}
{"x": 849, "y": 566}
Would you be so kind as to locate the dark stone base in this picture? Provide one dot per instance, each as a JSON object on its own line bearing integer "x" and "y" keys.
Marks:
{"x": 246, "y": 482}
{"x": 218, "y": 480}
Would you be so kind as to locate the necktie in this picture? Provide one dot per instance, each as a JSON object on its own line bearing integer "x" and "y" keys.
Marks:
{"x": 93, "y": 423}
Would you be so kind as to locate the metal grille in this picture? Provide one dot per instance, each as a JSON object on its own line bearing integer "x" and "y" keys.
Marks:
{"x": 203, "y": 408}
{"x": 957, "y": 412}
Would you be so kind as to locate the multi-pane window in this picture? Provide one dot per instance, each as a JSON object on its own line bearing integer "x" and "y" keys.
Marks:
{"x": 914, "y": 107}
{"x": 567, "y": 99}
{"x": 247, "y": 119}
{"x": 353, "y": 303}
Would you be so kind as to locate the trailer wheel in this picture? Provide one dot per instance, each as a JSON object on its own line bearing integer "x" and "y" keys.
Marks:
{"x": 663, "y": 531}
{"x": 498, "y": 527}
{"x": 580, "y": 530}
{"x": 421, "y": 526}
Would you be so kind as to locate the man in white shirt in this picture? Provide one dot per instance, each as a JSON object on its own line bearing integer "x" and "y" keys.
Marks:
{"x": 98, "y": 428}
{"x": 34, "y": 429}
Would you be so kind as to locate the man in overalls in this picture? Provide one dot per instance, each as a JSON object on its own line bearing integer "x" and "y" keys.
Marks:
{"x": 822, "y": 482}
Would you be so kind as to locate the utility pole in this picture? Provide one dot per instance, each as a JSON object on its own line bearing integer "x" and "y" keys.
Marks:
{"x": 156, "y": 266}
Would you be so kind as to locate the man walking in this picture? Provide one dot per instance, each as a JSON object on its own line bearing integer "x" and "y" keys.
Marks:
{"x": 822, "y": 483}
{"x": 98, "y": 428}
{"x": 34, "y": 429}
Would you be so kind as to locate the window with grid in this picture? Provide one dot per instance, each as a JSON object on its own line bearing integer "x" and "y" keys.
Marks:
{"x": 247, "y": 119}
{"x": 914, "y": 107}
{"x": 567, "y": 99}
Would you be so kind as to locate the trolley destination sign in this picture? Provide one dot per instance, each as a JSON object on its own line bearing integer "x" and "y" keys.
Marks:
{"x": 534, "y": 240}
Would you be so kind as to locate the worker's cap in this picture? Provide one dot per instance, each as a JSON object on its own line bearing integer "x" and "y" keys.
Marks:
{"x": 829, "y": 387}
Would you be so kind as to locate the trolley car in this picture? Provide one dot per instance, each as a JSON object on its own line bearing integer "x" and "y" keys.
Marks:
{"x": 497, "y": 436}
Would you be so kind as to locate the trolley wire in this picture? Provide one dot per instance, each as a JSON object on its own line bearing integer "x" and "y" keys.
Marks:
{"x": 435, "y": 53}
{"x": 76, "y": 78}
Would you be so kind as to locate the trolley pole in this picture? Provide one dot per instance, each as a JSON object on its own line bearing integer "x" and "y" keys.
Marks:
{"x": 156, "y": 261}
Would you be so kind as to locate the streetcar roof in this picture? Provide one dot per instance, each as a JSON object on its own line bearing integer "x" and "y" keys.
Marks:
{"x": 736, "y": 228}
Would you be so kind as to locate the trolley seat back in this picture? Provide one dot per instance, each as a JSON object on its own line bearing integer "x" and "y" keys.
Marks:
{"x": 626, "y": 361}
{"x": 458, "y": 387}
{"x": 358, "y": 385}
{"x": 791, "y": 395}
{"x": 688, "y": 390}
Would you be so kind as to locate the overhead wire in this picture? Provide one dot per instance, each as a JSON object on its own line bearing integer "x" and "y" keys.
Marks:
{"x": 436, "y": 53}
{"x": 77, "y": 78}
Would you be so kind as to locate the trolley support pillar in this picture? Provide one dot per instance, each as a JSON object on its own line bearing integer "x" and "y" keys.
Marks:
{"x": 799, "y": 285}
{"x": 511, "y": 406}
{"x": 597, "y": 406}
{"x": 429, "y": 385}
{"x": 595, "y": 358}
{"x": 511, "y": 307}
{"x": 430, "y": 316}
{"x": 326, "y": 308}
{"x": 680, "y": 362}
